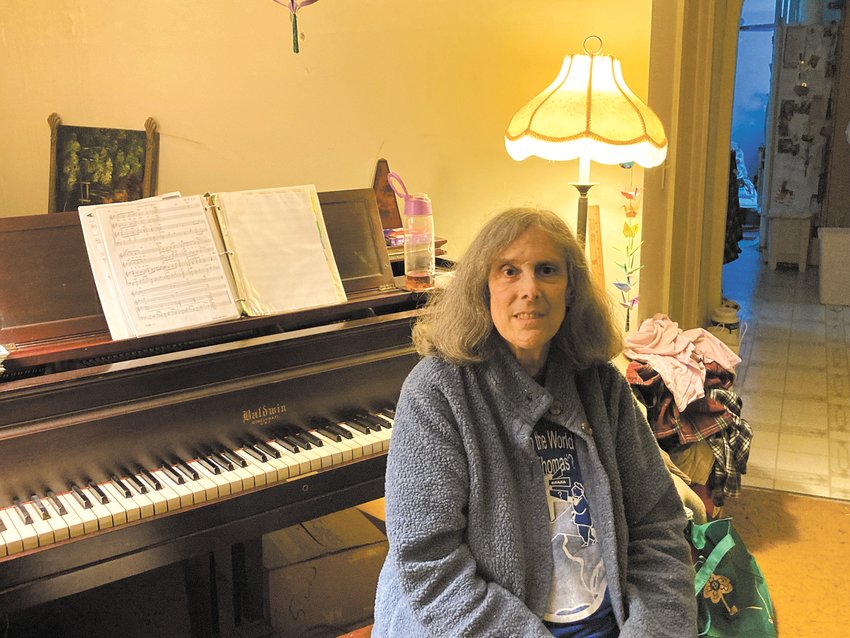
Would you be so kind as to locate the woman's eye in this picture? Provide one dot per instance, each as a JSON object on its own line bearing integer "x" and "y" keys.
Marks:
{"x": 509, "y": 271}
{"x": 548, "y": 270}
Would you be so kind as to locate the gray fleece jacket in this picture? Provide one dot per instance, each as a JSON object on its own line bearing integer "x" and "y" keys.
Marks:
{"x": 467, "y": 519}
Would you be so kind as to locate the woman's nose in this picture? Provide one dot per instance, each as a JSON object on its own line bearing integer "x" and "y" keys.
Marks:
{"x": 529, "y": 286}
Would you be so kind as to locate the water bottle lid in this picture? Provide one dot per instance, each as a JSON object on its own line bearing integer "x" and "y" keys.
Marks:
{"x": 417, "y": 205}
{"x": 414, "y": 205}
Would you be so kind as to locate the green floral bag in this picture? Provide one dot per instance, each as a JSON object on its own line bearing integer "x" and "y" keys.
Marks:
{"x": 732, "y": 595}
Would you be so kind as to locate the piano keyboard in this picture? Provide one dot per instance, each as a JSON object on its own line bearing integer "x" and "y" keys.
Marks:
{"x": 136, "y": 493}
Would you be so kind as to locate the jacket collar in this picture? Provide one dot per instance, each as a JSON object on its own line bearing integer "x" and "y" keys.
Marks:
{"x": 526, "y": 400}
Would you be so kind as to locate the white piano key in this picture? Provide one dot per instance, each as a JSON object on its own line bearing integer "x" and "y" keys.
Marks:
{"x": 103, "y": 513}
{"x": 293, "y": 465}
{"x": 355, "y": 450}
{"x": 222, "y": 485}
{"x": 369, "y": 443}
{"x": 384, "y": 436}
{"x": 246, "y": 476}
{"x": 184, "y": 494}
{"x": 119, "y": 514}
{"x": 156, "y": 498}
{"x": 42, "y": 528}
{"x": 86, "y": 516}
{"x": 131, "y": 509}
{"x": 142, "y": 501}
{"x": 344, "y": 448}
{"x": 173, "y": 500}
{"x": 70, "y": 520}
{"x": 237, "y": 481}
{"x": 260, "y": 474}
{"x": 209, "y": 486}
{"x": 276, "y": 469}
{"x": 27, "y": 533}
{"x": 12, "y": 541}
{"x": 61, "y": 528}
{"x": 325, "y": 454}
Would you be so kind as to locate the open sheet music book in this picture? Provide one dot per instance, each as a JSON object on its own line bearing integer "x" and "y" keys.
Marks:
{"x": 172, "y": 262}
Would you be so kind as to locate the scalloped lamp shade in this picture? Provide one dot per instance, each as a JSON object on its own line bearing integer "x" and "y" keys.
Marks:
{"x": 588, "y": 112}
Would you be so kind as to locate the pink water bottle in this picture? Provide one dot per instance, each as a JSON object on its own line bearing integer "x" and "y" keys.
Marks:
{"x": 419, "y": 263}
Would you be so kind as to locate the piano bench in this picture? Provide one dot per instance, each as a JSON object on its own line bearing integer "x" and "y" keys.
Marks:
{"x": 363, "y": 632}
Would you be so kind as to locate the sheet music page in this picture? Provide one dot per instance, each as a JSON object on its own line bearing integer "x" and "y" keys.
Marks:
{"x": 282, "y": 257}
{"x": 165, "y": 265}
{"x": 110, "y": 301}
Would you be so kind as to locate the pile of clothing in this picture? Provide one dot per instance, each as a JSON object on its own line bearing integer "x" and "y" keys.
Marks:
{"x": 684, "y": 378}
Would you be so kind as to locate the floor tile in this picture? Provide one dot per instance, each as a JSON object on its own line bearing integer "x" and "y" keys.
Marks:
{"x": 804, "y": 414}
{"x": 812, "y": 443}
{"x": 766, "y": 408}
{"x": 806, "y": 384}
{"x": 808, "y": 313}
{"x": 794, "y": 378}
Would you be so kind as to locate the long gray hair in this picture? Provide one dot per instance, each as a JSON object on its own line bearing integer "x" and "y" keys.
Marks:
{"x": 456, "y": 324}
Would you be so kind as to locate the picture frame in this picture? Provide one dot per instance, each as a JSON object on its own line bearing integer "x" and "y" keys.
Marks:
{"x": 97, "y": 165}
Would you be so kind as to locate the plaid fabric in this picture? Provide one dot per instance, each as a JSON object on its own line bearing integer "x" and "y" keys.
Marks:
{"x": 716, "y": 418}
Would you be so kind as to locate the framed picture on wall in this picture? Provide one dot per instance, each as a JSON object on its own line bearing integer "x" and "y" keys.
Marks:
{"x": 95, "y": 165}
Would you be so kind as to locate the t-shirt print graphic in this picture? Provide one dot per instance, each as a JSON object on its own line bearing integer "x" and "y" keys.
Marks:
{"x": 579, "y": 583}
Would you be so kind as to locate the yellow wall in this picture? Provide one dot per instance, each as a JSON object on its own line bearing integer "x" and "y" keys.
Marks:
{"x": 429, "y": 85}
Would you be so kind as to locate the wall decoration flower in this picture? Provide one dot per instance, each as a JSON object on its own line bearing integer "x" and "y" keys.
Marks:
{"x": 629, "y": 267}
{"x": 293, "y": 7}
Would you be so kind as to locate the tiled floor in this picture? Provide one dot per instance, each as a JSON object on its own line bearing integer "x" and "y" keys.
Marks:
{"x": 794, "y": 378}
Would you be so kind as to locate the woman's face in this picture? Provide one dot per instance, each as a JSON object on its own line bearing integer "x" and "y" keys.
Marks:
{"x": 528, "y": 292}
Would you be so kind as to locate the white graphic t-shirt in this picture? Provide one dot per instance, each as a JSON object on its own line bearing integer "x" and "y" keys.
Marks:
{"x": 579, "y": 594}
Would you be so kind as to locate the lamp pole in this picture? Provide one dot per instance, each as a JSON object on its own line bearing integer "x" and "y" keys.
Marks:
{"x": 583, "y": 186}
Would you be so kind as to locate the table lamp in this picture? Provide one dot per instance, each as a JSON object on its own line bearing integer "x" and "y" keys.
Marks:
{"x": 587, "y": 113}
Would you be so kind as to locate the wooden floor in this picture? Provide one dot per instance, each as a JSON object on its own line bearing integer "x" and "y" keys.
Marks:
{"x": 802, "y": 545}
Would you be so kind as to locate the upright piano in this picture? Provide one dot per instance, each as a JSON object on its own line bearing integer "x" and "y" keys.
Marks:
{"x": 120, "y": 457}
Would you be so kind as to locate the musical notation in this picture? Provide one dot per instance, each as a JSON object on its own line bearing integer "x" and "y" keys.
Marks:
{"x": 166, "y": 264}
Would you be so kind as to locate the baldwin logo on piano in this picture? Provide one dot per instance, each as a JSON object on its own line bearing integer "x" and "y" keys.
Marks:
{"x": 264, "y": 414}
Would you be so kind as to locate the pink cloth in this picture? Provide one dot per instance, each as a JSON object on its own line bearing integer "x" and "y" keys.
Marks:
{"x": 679, "y": 356}
{"x": 713, "y": 349}
{"x": 660, "y": 343}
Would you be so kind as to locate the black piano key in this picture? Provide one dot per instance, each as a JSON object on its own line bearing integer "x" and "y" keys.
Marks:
{"x": 343, "y": 432}
{"x": 302, "y": 440}
{"x": 250, "y": 449}
{"x": 182, "y": 471}
{"x": 120, "y": 486}
{"x": 40, "y": 507}
{"x": 233, "y": 458}
{"x": 141, "y": 488}
{"x": 333, "y": 436}
{"x": 287, "y": 443}
{"x": 356, "y": 425}
{"x": 220, "y": 461}
{"x": 208, "y": 464}
{"x": 266, "y": 449}
{"x": 149, "y": 478}
{"x": 171, "y": 473}
{"x": 22, "y": 512}
{"x": 57, "y": 504}
{"x": 81, "y": 497}
{"x": 99, "y": 494}
{"x": 187, "y": 469}
{"x": 388, "y": 412}
{"x": 370, "y": 421}
{"x": 2, "y": 527}
{"x": 311, "y": 437}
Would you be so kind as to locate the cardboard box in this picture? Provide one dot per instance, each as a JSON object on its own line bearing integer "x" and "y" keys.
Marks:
{"x": 321, "y": 575}
{"x": 834, "y": 273}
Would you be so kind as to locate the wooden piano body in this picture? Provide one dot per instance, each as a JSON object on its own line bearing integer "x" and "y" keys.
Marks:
{"x": 77, "y": 407}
